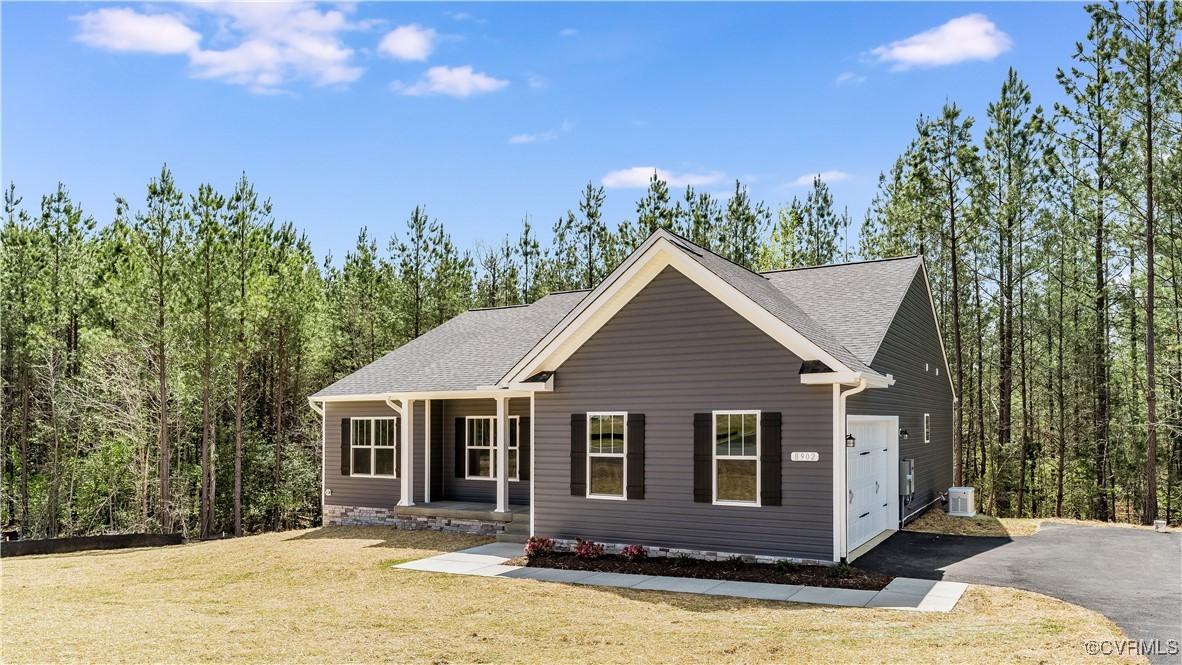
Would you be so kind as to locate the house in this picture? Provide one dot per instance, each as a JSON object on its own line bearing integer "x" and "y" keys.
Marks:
{"x": 686, "y": 403}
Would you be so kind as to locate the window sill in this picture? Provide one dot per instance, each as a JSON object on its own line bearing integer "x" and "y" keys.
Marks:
{"x": 607, "y": 497}
{"x": 487, "y": 479}
{"x": 739, "y": 504}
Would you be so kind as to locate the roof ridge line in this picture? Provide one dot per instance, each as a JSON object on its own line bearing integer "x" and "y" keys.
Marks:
{"x": 846, "y": 263}
{"x": 710, "y": 251}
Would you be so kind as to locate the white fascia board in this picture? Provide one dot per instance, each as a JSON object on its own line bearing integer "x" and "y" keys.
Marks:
{"x": 610, "y": 284}
{"x": 428, "y": 394}
{"x": 844, "y": 378}
{"x": 568, "y": 336}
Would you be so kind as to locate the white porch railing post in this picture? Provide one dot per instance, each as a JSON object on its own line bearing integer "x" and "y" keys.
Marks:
{"x": 502, "y": 455}
{"x": 406, "y": 478}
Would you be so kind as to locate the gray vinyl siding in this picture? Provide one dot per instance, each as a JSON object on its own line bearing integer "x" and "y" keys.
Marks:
{"x": 462, "y": 489}
{"x": 671, "y": 352}
{"x": 362, "y": 491}
{"x": 911, "y": 344}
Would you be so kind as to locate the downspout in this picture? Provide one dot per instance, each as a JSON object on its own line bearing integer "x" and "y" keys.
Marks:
{"x": 839, "y": 465}
{"x": 318, "y": 409}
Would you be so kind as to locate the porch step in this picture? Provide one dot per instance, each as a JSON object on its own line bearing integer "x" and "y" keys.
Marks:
{"x": 516, "y": 531}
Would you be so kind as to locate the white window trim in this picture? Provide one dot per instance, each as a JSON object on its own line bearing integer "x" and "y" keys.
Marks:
{"x": 927, "y": 428}
{"x": 714, "y": 456}
{"x": 372, "y": 448}
{"x": 623, "y": 455}
{"x": 514, "y": 422}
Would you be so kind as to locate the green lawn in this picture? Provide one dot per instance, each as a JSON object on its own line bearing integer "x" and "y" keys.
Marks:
{"x": 329, "y": 595}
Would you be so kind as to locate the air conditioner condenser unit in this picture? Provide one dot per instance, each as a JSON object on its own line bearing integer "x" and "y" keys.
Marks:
{"x": 962, "y": 502}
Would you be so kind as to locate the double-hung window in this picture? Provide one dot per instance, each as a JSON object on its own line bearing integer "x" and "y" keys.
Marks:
{"x": 607, "y": 442}
{"x": 480, "y": 447}
{"x": 375, "y": 444}
{"x": 736, "y": 457}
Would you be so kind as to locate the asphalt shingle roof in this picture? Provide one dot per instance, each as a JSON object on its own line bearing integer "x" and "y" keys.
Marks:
{"x": 778, "y": 302}
{"x": 855, "y": 302}
{"x": 844, "y": 309}
{"x": 474, "y": 349}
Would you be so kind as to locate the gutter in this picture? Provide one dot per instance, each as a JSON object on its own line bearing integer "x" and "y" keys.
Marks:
{"x": 318, "y": 409}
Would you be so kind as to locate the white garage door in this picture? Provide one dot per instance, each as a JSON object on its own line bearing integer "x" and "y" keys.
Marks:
{"x": 868, "y": 498}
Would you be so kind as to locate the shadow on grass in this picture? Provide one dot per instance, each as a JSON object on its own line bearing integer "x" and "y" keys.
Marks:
{"x": 395, "y": 538}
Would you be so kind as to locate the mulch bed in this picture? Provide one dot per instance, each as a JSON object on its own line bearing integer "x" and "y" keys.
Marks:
{"x": 808, "y": 575}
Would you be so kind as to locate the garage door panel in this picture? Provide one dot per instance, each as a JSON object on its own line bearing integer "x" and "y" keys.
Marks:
{"x": 866, "y": 480}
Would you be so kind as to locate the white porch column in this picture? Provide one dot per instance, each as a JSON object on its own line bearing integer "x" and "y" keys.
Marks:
{"x": 502, "y": 455}
{"x": 406, "y": 478}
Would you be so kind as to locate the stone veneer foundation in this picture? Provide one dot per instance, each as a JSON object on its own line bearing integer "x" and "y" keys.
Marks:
{"x": 615, "y": 548}
{"x": 362, "y": 516}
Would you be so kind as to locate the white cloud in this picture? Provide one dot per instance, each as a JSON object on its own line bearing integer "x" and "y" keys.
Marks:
{"x": 639, "y": 176}
{"x": 537, "y": 82}
{"x": 567, "y": 32}
{"x": 463, "y": 16}
{"x": 971, "y": 37}
{"x": 539, "y": 137}
{"x": 806, "y": 180}
{"x": 267, "y": 45}
{"x": 409, "y": 42}
{"x": 453, "y": 81}
{"x": 850, "y": 78}
{"x": 121, "y": 29}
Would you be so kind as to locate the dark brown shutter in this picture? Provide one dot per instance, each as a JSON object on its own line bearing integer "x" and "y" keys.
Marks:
{"x": 635, "y": 454}
{"x": 523, "y": 449}
{"x": 703, "y": 474}
{"x": 770, "y": 471}
{"x": 398, "y": 443}
{"x": 578, "y": 454}
{"x": 459, "y": 443}
{"x": 435, "y": 453}
{"x": 346, "y": 450}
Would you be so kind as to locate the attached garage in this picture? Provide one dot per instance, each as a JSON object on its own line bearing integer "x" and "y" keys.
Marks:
{"x": 872, "y": 492}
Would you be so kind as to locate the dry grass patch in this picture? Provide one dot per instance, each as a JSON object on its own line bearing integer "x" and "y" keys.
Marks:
{"x": 938, "y": 521}
{"x": 329, "y": 595}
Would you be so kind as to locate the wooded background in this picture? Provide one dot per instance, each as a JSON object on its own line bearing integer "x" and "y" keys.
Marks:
{"x": 156, "y": 366}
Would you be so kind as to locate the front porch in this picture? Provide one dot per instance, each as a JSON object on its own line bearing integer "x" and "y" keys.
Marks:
{"x": 469, "y": 517}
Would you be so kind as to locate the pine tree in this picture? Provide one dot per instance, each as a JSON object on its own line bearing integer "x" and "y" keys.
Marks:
{"x": 742, "y": 228}
{"x": 246, "y": 221}
{"x": 946, "y": 145}
{"x": 208, "y": 296}
{"x": 157, "y": 251}
{"x": 1092, "y": 123}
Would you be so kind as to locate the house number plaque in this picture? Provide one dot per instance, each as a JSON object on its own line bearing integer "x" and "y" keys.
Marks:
{"x": 806, "y": 457}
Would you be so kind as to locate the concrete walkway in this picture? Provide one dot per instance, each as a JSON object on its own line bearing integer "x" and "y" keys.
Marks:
{"x": 902, "y": 593}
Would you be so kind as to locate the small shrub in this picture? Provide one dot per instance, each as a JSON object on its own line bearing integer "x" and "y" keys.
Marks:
{"x": 634, "y": 553}
{"x": 734, "y": 563}
{"x": 683, "y": 560}
{"x": 785, "y": 567}
{"x": 538, "y": 546}
{"x": 841, "y": 571}
{"x": 588, "y": 549}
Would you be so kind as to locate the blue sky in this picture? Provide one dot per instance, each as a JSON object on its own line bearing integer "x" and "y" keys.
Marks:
{"x": 350, "y": 115}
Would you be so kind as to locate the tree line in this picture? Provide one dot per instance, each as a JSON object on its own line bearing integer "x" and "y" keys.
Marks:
{"x": 156, "y": 367}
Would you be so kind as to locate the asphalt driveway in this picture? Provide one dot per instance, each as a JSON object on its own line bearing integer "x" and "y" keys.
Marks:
{"x": 1132, "y": 576}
